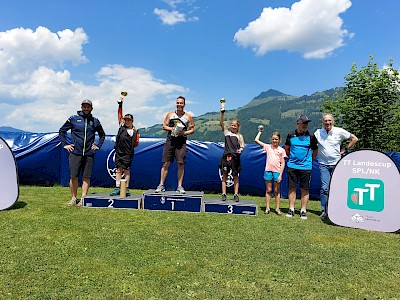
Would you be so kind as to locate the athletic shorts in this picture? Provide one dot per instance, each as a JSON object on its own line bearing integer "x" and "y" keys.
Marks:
{"x": 294, "y": 175}
{"x": 78, "y": 163}
{"x": 123, "y": 161}
{"x": 228, "y": 163}
{"x": 174, "y": 149}
{"x": 271, "y": 176}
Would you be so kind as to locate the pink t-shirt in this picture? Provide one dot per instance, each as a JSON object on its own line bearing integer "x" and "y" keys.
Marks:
{"x": 274, "y": 156}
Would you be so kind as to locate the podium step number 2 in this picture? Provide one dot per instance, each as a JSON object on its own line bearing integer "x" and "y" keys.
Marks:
{"x": 106, "y": 201}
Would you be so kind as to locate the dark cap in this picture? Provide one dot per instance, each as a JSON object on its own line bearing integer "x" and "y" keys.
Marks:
{"x": 128, "y": 116}
{"x": 87, "y": 101}
{"x": 303, "y": 119}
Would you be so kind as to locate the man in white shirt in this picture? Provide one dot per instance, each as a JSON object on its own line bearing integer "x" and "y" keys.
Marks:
{"x": 329, "y": 153}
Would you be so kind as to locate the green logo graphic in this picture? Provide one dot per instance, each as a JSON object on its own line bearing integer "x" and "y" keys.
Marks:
{"x": 365, "y": 194}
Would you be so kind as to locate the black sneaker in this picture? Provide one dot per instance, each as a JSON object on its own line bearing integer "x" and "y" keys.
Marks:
{"x": 236, "y": 198}
{"x": 223, "y": 197}
{"x": 290, "y": 213}
{"x": 303, "y": 215}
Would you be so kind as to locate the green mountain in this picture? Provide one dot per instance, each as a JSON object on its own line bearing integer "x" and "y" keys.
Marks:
{"x": 275, "y": 110}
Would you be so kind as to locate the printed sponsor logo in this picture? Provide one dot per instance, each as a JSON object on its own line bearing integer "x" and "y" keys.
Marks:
{"x": 111, "y": 169}
{"x": 357, "y": 218}
{"x": 229, "y": 179}
{"x": 365, "y": 194}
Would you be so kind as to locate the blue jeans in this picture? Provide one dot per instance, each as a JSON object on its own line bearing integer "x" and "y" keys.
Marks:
{"x": 326, "y": 174}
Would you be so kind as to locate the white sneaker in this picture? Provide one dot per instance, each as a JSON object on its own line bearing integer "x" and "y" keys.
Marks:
{"x": 303, "y": 215}
{"x": 180, "y": 190}
{"x": 160, "y": 188}
{"x": 72, "y": 202}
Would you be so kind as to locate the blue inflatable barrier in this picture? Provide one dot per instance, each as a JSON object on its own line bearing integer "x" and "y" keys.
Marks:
{"x": 42, "y": 161}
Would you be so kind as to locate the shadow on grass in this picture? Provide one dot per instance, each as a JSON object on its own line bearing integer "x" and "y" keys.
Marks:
{"x": 18, "y": 205}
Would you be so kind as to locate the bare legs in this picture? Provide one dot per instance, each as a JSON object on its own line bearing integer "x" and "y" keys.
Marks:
{"x": 304, "y": 198}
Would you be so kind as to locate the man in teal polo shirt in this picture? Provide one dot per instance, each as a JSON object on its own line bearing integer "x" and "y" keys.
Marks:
{"x": 301, "y": 149}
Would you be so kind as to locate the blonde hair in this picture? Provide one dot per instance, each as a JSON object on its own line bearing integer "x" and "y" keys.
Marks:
{"x": 277, "y": 134}
{"x": 237, "y": 122}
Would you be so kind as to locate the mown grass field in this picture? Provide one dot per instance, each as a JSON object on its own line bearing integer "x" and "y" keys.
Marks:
{"x": 51, "y": 251}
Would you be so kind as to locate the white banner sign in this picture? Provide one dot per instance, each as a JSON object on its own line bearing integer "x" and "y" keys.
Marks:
{"x": 364, "y": 192}
{"x": 9, "y": 189}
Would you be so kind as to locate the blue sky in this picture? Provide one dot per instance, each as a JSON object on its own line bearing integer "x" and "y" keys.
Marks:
{"x": 53, "y": 54}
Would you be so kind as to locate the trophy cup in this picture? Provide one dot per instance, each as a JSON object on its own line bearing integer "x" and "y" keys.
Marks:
{"x": 260, "y": 127}
{"x": 222, "y": 101}
{"x": 177, "y": 128}
{"x": 123, "y": 95}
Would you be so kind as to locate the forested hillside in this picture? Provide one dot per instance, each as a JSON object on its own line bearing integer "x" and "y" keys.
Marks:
{"x": 275, "y": 110}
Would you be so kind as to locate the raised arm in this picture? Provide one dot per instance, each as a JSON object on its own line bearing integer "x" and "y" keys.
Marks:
{"x": 257, "y": 138}
{"x": 221, "y": 120}
{"x": 120, "y": 115}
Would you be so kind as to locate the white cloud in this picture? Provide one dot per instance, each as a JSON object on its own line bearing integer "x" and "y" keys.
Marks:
{"x": 40, "y": 97}
{"x": 311, "y": 27}
{"x": 23, "y": 50}
{"x": 174, "y": 3}
{"x": 170, "y": 17}
{"x": 174, "y": 16}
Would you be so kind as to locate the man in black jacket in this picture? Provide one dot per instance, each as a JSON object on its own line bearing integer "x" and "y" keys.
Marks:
{"x": 83, "y": 128}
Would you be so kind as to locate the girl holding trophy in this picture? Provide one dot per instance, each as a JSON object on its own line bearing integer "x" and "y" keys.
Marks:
{"x": 230, "y": 161}
{"x": 126, "y": 141}
{"x": 274, "y": 166}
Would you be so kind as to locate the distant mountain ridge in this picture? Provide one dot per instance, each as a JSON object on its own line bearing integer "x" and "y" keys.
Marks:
{"x": 270, "y": 93}
{"x": 275, "y": 110}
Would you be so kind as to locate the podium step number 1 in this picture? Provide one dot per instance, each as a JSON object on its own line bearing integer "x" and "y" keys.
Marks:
{"x": 191, "y": 201}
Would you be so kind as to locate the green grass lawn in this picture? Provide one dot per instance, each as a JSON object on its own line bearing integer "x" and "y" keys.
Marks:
{"x": 51, "y": 251}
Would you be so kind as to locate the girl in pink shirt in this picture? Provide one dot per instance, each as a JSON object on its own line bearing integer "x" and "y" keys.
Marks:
{"x": 274, "y": 166}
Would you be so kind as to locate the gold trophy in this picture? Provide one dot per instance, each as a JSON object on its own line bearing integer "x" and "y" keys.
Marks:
{"x": 222, "y": 101}
{"x": 123, "y": 95}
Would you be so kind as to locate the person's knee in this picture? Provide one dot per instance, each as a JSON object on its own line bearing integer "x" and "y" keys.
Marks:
{"x": 304, "y": 192}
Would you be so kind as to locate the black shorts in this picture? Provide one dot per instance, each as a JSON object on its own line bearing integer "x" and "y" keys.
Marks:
{"x": 78, "y": 163}
{"x": 228, "y": 163}
{"x": 295, "y": 174}
{"x": 174, "y": 148}
{"x": 123, "y": 161}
